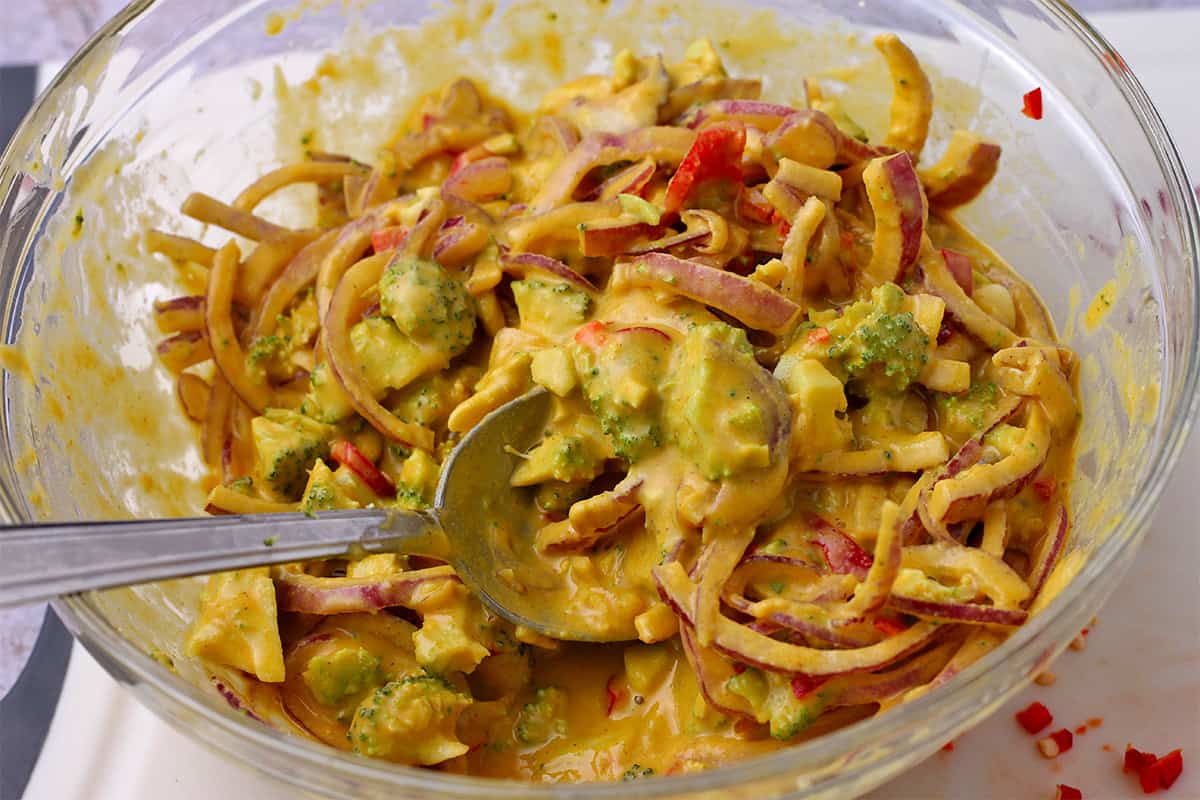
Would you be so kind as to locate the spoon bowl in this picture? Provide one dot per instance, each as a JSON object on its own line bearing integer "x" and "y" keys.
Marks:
{"x": 480, "y": 523}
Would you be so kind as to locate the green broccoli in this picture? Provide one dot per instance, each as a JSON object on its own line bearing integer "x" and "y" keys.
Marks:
{"x": 875, "y": 342}
{"x": 428, "y": 305}
{"x": 410, "y": 721}
{"x": 543, "y": 717}
{"x": 286, "y": 444}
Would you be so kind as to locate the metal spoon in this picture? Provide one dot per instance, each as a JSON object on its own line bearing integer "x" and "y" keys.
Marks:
{"x": 43, "y": 561}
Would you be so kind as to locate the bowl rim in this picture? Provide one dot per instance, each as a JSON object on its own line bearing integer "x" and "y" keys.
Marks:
{"x": 182, "y": 704}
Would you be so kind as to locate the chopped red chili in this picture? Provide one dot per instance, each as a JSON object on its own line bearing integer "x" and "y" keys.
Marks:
{"x": 818, "y": 336}
{"x": 948, "y": 747}
{"x": 1080, "y": 730}
{"x": 1169, "y": 768}
{"x": 1065, "y": 792}
{"x": 804, "y": 685}
{"x": 614, "y": 693}
{"x": 1056, "y": 744}
{"x": 888, "y": 626}
{"x": 1044, "y": 488}
{"x": 1136, "y": 760}
{"x": 1035, "y": 718}
{"x": 388, "y": 238}
{"x": 1033, "y": 104}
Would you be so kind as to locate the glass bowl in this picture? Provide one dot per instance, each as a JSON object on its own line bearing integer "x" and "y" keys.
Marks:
{"x": 173, "y": 96}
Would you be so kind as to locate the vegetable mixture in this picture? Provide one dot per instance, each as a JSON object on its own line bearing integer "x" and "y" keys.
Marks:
{"x": 811, "y": 443}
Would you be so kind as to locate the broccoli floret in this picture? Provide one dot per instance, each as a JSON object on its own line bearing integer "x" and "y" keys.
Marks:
{"x": 389, "y": 358}
{"x": 963, "y": 415}
{"x": 341, "y": 675}
{"x": 428, "y": 305}
{"x": 551, "y": 308}
{"x": 325, "y": 400}
{"x": 410, "y": 721}
{"x": 543, "y": 717}
{"x": 876, "y": 343}
{"x": 620, "y": 375}
{"x": 286, "y": 444}
{"x": 722, "y": 426}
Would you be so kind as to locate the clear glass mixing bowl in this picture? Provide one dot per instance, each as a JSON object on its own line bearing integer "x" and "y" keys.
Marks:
{"x": 176, "y": 95}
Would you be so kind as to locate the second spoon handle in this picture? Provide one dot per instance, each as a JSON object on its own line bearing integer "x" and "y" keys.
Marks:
{"x": 39, "y": 562}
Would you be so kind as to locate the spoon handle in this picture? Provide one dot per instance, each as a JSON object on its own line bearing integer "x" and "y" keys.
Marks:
{"x": 39, "y": 562}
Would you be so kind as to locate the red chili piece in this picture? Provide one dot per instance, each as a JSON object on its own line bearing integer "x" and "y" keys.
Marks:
{"x": 594, "y": 334}
{"x": 1136, "y": 760}
{"x": 350, "y": 457}
{"x": 716, "y": 155}
{"x": 1169, "y": 768}
{"x": 888, "y": 626}
{"x": 948, "y": 747}
{"x": 388, "y": 238}
{"x": 1033, "y": 104}
{"x": 818, "y": 336}
{"x": 1035, "y": 718}
{"x": 804, "y": 685}
{"x": 1044, "y": 488}
{"x": 1065, "y": 792}
{"x": 614, "y": 693}
{"x": 1064, "y": 739}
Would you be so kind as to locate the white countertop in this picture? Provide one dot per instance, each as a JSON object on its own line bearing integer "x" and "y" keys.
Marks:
{"x": 1140, "y": 671}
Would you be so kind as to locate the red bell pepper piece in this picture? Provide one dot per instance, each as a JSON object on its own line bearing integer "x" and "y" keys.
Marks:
{"x": 350, "y": 457}
{"x": 1065, "y": 792}
{"x": 715, "y": 156}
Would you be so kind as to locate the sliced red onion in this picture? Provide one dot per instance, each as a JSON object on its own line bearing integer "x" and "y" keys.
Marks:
{"x": 459, "y": 241}
{"x": 312, "y": 595}
{"x": 752, "y": 303}
{"x": 919, "y": 671}
{"x": 617, "y": 237}
{"x": 706, "y": 90}
{"x": 973, "y": 613}
{"x": 739, "y": 642}
{"x": 1048, "y": 552}
{"x": 712, "y": 671}
{"x": 764, "y": 116}
{"x": 630, "y": 180}
{"x": 843, "y": 555}
{"x": 235, "y": 700}
{"x": 960, "y": 267}
{"x": 663, "y": 144}
{"x": 807, "y": 136}
{"x": 521, "y": 263}
{"x": 480, "y": 181}
{"x": 559, "y": 134}
{"x": 799, "y": 619}
{"x": 691, "y": 237}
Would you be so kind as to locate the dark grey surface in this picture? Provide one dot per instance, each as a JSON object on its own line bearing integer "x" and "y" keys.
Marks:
{"x": 26, "y": 712}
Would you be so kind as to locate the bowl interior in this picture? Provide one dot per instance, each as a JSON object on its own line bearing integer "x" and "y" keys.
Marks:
{"x": 1087, "y": 206}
